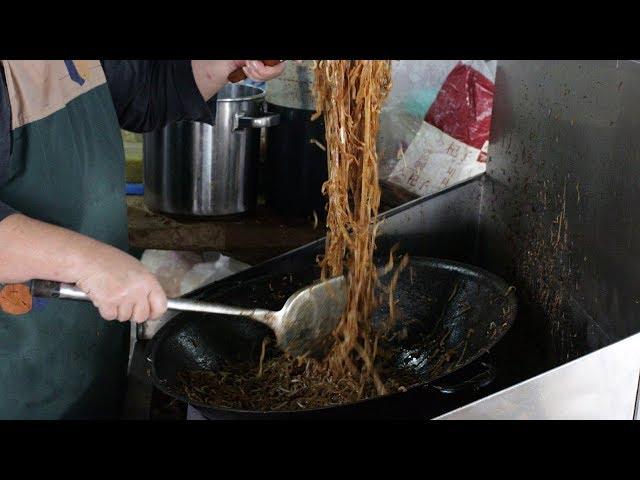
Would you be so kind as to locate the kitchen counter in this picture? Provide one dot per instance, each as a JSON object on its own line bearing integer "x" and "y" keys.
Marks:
{"x": 251, "y": 239}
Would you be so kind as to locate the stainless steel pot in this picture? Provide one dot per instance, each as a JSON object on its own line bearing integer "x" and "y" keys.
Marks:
{"x": 195, "y": 169}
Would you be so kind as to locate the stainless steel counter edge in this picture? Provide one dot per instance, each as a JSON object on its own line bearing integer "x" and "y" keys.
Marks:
{"x": 602, "y": 385}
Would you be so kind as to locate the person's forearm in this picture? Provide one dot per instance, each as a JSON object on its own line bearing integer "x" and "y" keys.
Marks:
{"x": 211, "y": 75}
{"x": 33, "y": 249}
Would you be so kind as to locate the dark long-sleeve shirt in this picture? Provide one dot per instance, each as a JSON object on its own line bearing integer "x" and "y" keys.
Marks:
{"x": 147, "y": 95}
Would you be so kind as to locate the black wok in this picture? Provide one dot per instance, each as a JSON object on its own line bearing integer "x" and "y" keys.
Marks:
{"x": 462, "y": 308}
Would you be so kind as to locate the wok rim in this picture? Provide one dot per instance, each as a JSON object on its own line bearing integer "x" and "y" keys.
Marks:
{"x": 499, "y": 282}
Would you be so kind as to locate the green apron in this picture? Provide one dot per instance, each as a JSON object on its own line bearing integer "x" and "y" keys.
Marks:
{"x": 61, "y": 360}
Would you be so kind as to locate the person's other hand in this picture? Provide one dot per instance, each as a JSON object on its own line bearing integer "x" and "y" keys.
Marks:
{"x": 212, "y": 75}
{"x": 259, "y": 72}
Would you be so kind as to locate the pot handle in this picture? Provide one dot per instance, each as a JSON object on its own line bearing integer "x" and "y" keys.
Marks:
{"x": 479, "y": 380}
{"x": 262, "y": 120}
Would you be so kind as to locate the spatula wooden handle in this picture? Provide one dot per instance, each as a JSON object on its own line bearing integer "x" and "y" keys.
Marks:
{"x": 238, "y": 74}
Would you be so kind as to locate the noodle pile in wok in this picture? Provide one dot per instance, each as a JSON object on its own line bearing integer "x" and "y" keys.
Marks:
{"x": 349, "y": 94}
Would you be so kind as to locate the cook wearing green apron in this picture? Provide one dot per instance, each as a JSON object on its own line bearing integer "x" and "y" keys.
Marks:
{"x": 62, "y": 162}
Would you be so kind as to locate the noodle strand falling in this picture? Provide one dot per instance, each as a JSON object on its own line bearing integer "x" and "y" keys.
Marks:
{"x": 350, "y": 94}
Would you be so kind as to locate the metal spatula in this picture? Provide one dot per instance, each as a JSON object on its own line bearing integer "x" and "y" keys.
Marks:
{"x": 301, "y": 326}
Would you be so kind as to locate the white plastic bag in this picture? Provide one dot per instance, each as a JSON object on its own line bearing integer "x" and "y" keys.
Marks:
{"x": 182, "y": 272}
{"x": 434, "y": 161}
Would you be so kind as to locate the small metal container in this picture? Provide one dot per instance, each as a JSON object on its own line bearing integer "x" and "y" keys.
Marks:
{"x": 195, "y": 169}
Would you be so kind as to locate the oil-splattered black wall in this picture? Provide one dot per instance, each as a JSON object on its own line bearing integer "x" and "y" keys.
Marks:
{"x": 560, "y": 195}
